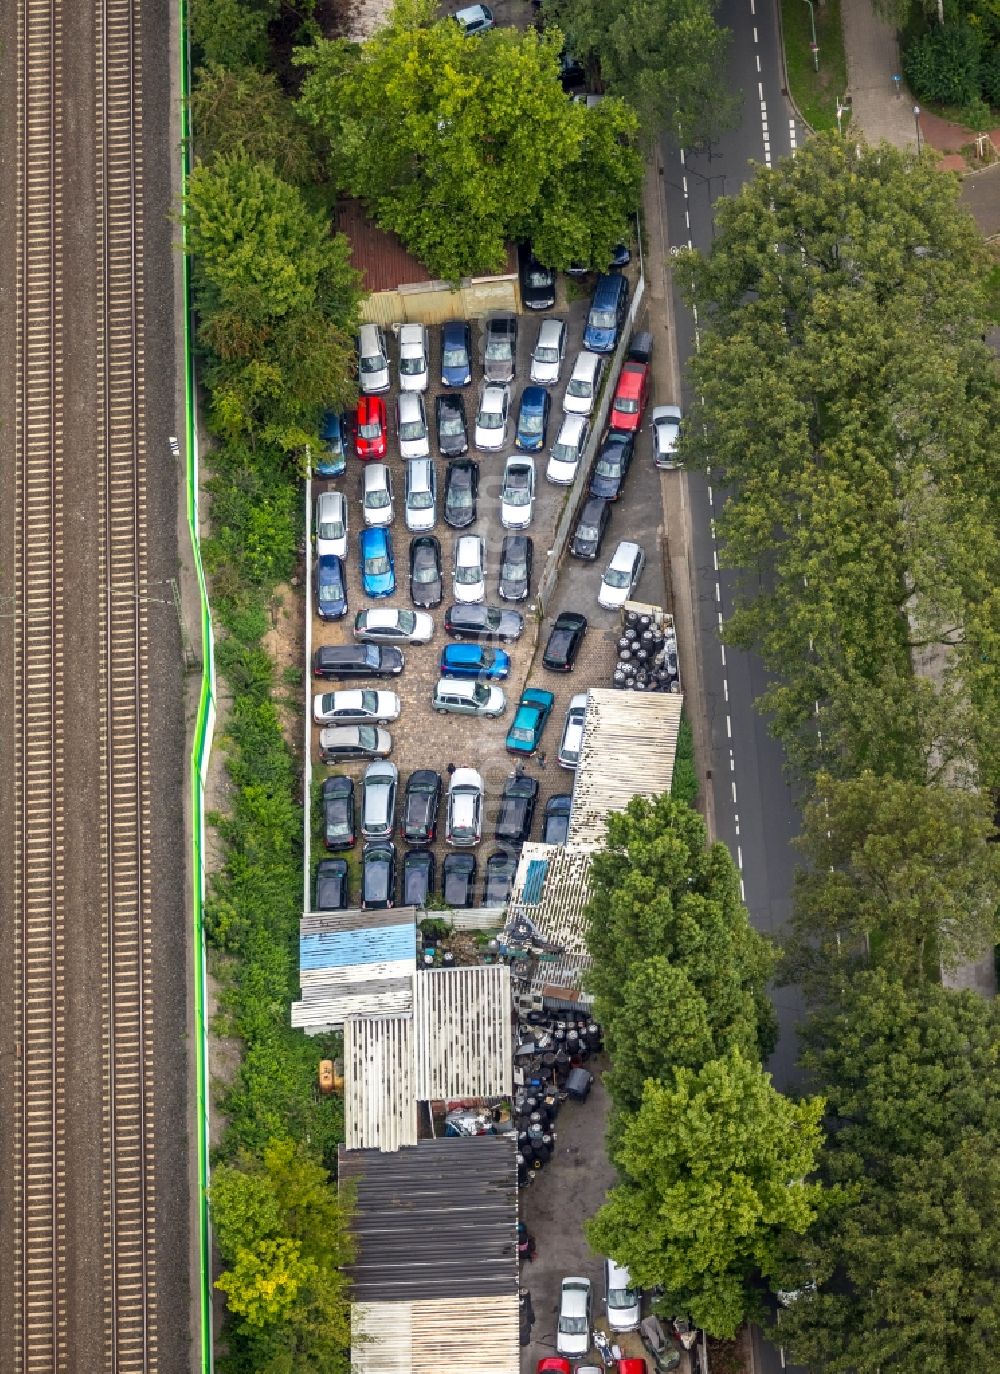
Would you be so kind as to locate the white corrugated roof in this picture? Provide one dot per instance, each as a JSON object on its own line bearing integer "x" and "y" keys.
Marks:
{"x": 462, "y": 1032}
{"x": 380, "y": 1109}
{"x": 552, "y": 888}
{"x": 428, "y": 1337}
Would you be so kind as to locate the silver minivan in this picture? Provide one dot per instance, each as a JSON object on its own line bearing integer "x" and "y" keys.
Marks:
{"x": 378, "y": 800}
{"x": 584, "y": 383}
{"x": 421, "y": 494}
{"x": 373, "y": 360}
{"x": 546, "y": 361}
{"x": 469, "y": 698}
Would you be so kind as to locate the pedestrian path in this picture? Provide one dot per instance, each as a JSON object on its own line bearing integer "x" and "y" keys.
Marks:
{"x": 882, "y": 111}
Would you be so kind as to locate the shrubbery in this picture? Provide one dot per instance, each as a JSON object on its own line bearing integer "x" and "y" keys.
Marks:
{"x": 944, "y": 64}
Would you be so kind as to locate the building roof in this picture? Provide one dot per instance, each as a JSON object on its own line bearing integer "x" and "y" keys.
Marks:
{"x": 379, "y": 256}
{"x": 380, "y": 1107}
{"x": 629, "y": 744}
{"x": 354, "y": 963}
{"x": 434, "y": 1220}
{"x": 551, "y": 889}
{"x": 462, "y": 1032}
{"x": 435, "y": 1336}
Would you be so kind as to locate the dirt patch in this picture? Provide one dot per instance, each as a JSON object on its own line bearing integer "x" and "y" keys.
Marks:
{"x": 283, "y": 644}
{"x": 730, "y": 1357}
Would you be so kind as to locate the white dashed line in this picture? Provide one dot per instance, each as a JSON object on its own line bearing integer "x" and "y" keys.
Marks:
{"x": 792, "y": 134}
{"x": 718, "y": 593}
{"x": 758, "y": 62}
{"x": 729, "y": 726}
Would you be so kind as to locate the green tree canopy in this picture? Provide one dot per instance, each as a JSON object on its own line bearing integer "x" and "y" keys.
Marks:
{"x": 716, "y": 1166}
{"x": 461, "y": 147}
{"x": 246, "y": 111}
{"x": 232, "y": 33}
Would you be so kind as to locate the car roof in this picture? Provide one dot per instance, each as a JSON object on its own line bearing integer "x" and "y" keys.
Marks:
{"x": 470, "y": 545}
{"x": 376, "y": 475}
{"x": 410, "y": 334}
{"x": 464, "y": 653}
{"x": 586, "y": 363}
{"x": 330, "y": 498}
{"x": 381, "y": 770}
{"x": 631, "y": 377}
{"x": 569, "y": 620}
{"x": 338, "y": 785}
{"x": 381, "y": 615}
{"x": 617, "y": 1275}
{"x": 533, "y": 396}
{"x": 667, "y": 413}
{"x": 455, "y": 329}
{"x": 550, "y": 330}
{"x": 594, "y": 507}
{"x": 458, "y": 686}
{"x": 374, "y": 539}
{"x": 573, "y": 424}
{"x": 370, "y": 336}
{"x": 410, "y": 405}
{"x": 370, "y": 408}
{"x": 625, "y": 552}
{"x": 515, "y": 543}
{"x": 579, "y": 702}
{"x": 537, "y": 696}
{"x": 465, "y": 777}
{"x": 495, "y": 393}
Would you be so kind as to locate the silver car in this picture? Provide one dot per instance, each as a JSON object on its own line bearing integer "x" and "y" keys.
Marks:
{"x": 355, "y": 706}
{"x": 464, "y": 823}
{"x": 331, "y": 524}
{"x": 546, "y": 361}
{"x": 517, "y": 496}
{"x": 572, "y": 735}
{"x": 584, "y": 383}
{"x": 470, "y": 569}
{"x": 373, "y": 360}
{"x": 467, "y": 698}
{"x": 491, "y": 420}
{"x": 393, "y": 625}
{"x": 378, "y": 800}
{"x": 564, "y": 459}
{"x": 346, "y": 742}
{"x": 573, "y": 1327}
{"x": 621, "y": 577}
{"x": 623, "y": 1300}
{"x": 665, "y": 423}
{"x": 411, "y": 426}
{"x": 421, "y": 494}
{"x": 413, "y": 357}
{"x": 377, "y": 498}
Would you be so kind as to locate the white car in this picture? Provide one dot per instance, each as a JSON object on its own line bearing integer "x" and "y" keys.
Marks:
{"x": 411, "y": 426}
{"x": 356, "y": 706}
{"x": 546, "y": 361}
{"x": 584, "y": 383}
{"x": 491, "y": 420}
{"x": 572, "y": 735}
{"x": 470, "y": 569}
{"x": 421, "y": 494}
{"x": 413, "y": 357}
{"x": 376, "y": 500}
{"x": 573, "y": 1329}
{"x": 373, "y": 360}
{"x": 564, "y": 458}
{"x": 622, "y": 1298}
{"x": 464, "y": 821}
{"x": 393, "y": 625}
{"x": 665, "y": 423}
{"x": 331, "y": 524}
{"x": 621, "y": 575}
{"x": 517, "y": 496}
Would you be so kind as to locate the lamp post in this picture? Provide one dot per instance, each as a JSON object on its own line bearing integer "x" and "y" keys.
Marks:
{"x": 813, "y": 45}
{"x": 916, "y": 121}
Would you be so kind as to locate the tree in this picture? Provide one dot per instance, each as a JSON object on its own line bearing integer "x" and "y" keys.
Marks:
{"x": 715, "y": 1167}
{"x": 902, "y": 873}
{"x": 245, "y": 111}
{"x": 232, "y": 33}
{"x": 473, "y": 140}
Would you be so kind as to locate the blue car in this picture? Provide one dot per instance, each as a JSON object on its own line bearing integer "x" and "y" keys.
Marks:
{"x": 533, "y": 418}
{"x": 332, "y": 459}
{"x": 331, "y": 590}
{"x": 533, "y": 710}
{"x": 608, "y": 309}
{"x": 474, "y": 660}
{"x": 456, "y": 353}
{"x": 378, "y": 567}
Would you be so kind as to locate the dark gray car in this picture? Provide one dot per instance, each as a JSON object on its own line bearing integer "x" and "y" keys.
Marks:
{"x": 500, "y": 349}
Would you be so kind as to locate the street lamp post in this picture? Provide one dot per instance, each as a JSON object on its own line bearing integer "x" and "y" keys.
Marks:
{"x": 813, "y": 45}
{"x": 916, "y": 121}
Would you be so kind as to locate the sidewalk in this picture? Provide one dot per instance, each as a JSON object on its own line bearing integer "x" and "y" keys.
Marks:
{"x": 872, "y": 61}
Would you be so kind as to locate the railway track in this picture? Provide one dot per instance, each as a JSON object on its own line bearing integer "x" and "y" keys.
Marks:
{"x": 44, "y": 937}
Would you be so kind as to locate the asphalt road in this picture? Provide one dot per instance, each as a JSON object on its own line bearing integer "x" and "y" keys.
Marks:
{"x": 754, "y": 803}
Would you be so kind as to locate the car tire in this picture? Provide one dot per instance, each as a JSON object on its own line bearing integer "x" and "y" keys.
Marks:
{"x": 440, "y": 710}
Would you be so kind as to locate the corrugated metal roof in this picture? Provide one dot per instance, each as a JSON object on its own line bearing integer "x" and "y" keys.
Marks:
{"x": 434, "y": 1220}
{"x": 629, "y": 744}
{"x": 435, "y": 1336}
{"x": 354, "y": 963}
{"x": 380, "y": 1108}
{"x": 462, "y": 1032}
{"x": 556, "y": 912}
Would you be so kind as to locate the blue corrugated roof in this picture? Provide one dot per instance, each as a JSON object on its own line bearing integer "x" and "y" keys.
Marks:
{"x": 343, "y": 948}
{"x": 534, "y": 881}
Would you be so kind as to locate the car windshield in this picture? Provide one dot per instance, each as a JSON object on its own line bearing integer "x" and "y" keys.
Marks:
{"x": 377, "y": 565}
{"x": 467, "y": 576}
{"x": 622, "y": 1297}
{"x": 413, "y": 429}
{"x": 516, "y": 569}
{"x": 331, "y": 591}
{"x": 374, "y": 363}
{"x": 367, "y": 736}
{"x": 573, "y": 1326}
{"x": 452, "y": 426}
{"x": 459, "y": 498}
{"x": 565, "y": 453}
{"x": 490, "y": 419}
{"x": 372, "y": 430}
{"x": 421, "y": 500}
{"x": 407, "y": 622}
{"x": 338, "y": 819}
{"x": 498, "y": 350}
{"x": 519, "y": 495}
{"x": 608, "y": 467}
{"x": 627, "y": 405}
{"x": 424, "y": 573}
{"x": 580, "y": 386}
{"x": 525, "y": 733}
{"x": 331, "y": 529}
{"x": 480, "y": 694}
{"x": 539, "y": 276}
{"x": 616, "y": 577}
{"x": 546, "y": 355}
{"x": 586, "y": 532}
{"x": 413, "y": 366}
{"x": 377, "y": 499}
{"x": 531, "y": 422}
{"x": 602, "y": 319}
{"x": 455, "y": 356}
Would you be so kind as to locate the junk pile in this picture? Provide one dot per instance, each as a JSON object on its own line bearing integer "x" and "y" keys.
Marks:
{"x": 647, "y": 652}
{"x": 550, "y": 1068}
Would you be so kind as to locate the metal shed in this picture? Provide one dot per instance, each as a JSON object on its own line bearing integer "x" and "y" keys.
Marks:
{"x": 380, "y": 1108}
{"x": 462, "y": 1032}
{"x": 432, "y": 1337}
{"x": 354, "y": 963}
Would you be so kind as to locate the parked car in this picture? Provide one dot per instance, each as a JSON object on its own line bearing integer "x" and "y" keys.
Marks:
{"x": 376, "y": 500}
{"x": 456, "y": 353}
{"x": 550, "y": 349}
{"x": 590, "y": 528}
{"x": 378, "y": 800}
{"x": 450, "y": 422}
{"x": 418, "y": 876}
{"x": 370, "y": 427}
{"x": 611, "y": 468}
{"x": 421, "y": 494}
{"x": 331, "y": 459}
{"x": 474, "y": 19}
{"x": 461, "y": 485}
{"x": 467, "y": 698}
{"x": 373, "y": 360}
{"x": 573, "y": 1327}
{"x": 533, "y": 710}
{"x": 378, "y": 876}
{"x": 621, "y": 575}
{"x": 532, "y": 419}
{"x": 554, "y": 1364}
{"x": 555, "y": 825}
{"x": 517, "y": 808}
{"x": 584, "y": 383}
{"x": 469, "y": 583}
{"x": 484, "y": 622}
{"x": 338, "y": 812}
{"x": 622, "y": 1299}
{"x": 666, "y": 426}
{"x": 516, "y": 557}
{"x": 563, "y": 643}
{"x": 501, "y": 867}
{"x": 538, "y": 283}
{"x": 458, "y": 879}
{"x": 426, "y": 582}
{"x": 330, "y": 519}
{"x": 357, "y": 661}
{"x": 413, "y": 357}
{"x": 464, "y": 825}
{"x": 411, "y": 426}
{"x": 355, "y": 706}
{"x": 331, "y": 891}
{"x": 608, "y": 308}
{"x": 500, "y": 348}
{"x": 353, "y": 742}
{"x": 475, "y": 661}
{"x": 331, "y": 591}
{"x": 566, "y": 452}
{"x": 630, "y": 398}
{"x": 572, "y": 735}
{"x": 491, "y": 418}
{"x": 389, "y": 625}
{"x": 421, "y": 803}
{"x": 517, "y": 495}
{"x": 621, "y": 255}
{"x": 378, "y": 566}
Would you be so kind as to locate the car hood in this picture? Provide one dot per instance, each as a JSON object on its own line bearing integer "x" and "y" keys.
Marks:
{"x": 598, "y": 340}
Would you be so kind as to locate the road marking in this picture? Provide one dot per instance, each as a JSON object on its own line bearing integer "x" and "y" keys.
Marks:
{"x": 729, "y": 725}
{"x": 715, "y": 559}
{"x": 725, "y": 688}
{"x": 758, "y": 62}
{"x": 760, "y": 95}
{"x": 724, "y": 660}
{"x": 792, "y": 134}
{"x": 718, "y": 592}
{"x": 711, "y": 502}
{"x": 755, "y": 38}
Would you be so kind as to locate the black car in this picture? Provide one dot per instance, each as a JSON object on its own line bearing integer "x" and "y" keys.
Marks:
{"x": 421, "y": 802}
{"x": 418, "y": 876}
{"x": 517, "y": 808}
{"x": 338, "y": 812}
{"x": 484, "y": 622}
{"x": 378, "y": 876}
{"x": 500, "y": 869}
{"x": 612, "y": 465}
{"x": 564, "y": 641}
{"x": 500, "y": 349}
{"x": 452, "y": 429}
{"x": 590, "y": 528}
{"x": 572, "y": 74}
{"x": 331, "y": 885}
{"x": 516, "y": 555}
{"x": 458, "y": 879}
{"x": 555, "y": 826}
{"x": 538, "y": 283}
{"x": 357, "y": 660}
{"x": 426, "y": 586}
{"x": 461, "y": 485}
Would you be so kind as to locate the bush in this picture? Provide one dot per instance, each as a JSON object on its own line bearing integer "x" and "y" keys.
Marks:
{"x": 684, "y": 784}
{"x": 989, "y": 76}
{"x": 943, "y": 64}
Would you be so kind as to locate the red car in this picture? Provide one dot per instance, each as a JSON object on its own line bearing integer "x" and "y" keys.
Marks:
{"x": 370, "y": 427}
{"x": 630, "y": 398}
{"x": 553, "y": 1364}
